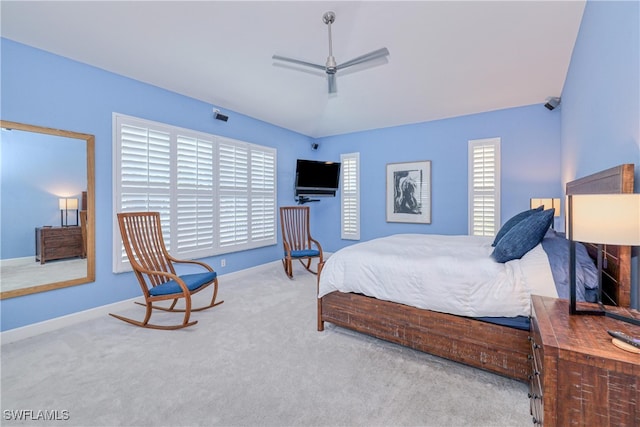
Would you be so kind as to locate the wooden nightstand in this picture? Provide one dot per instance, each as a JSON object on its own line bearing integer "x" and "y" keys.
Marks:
{"x": 58, "y": 242}
{"x": 578, "y": 377}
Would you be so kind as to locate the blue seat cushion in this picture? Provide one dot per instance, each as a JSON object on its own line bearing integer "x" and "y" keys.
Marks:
{"x": 304, "y": 253}
{"x": 193, "y": 282}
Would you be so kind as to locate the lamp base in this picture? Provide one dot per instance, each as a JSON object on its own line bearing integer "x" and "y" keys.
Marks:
{"x": 627, "y": 319}
{"x": 603, "y": 312}
{"x": 587, "y": 312}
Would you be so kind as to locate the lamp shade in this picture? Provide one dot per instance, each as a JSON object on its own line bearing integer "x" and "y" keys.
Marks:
{"x": 72, "y": 204}
{"x": 547, "y": 203}
{"x": 612, "y": 219}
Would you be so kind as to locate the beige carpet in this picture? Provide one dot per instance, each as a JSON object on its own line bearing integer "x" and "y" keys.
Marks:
{"x": 256, "y": 360}
{"x": 18, "y": 273}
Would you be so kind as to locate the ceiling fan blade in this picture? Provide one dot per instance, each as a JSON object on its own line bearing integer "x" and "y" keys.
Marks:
{"x": 299, "y": 62}
{"x": 366, "y": 57}
{"x": 333, "y": 86}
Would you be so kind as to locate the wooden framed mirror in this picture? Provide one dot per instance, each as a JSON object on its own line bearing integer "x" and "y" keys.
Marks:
{"x": 47, "y": 219}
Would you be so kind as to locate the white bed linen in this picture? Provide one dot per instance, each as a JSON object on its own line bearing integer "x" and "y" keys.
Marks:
{"x": 449, "y": 274}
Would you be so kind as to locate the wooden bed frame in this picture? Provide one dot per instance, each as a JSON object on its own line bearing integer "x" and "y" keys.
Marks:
{"x": 499, "y": 349}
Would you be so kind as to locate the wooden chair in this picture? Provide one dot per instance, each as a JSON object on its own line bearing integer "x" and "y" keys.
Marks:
{"x": 297, "y": 239}
{"x": 154, "y": 268}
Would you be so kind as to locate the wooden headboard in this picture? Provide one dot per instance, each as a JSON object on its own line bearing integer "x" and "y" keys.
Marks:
{"x": 616, "y": 278}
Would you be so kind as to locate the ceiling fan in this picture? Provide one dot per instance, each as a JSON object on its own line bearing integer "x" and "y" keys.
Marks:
{"x": 331, "y": 67}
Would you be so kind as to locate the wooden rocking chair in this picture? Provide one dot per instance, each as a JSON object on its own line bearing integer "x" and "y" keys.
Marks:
{"x": 154, "y": 267}
{"x": 297, "y": 239}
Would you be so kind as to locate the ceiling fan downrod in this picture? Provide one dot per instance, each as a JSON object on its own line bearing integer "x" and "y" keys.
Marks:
{"x": 329, "y": 18}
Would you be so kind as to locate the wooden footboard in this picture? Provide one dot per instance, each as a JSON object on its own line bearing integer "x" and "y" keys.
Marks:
{"x": 498, "y": 349}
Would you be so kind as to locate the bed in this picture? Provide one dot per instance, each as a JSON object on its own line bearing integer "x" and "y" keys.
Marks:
{"x": 478, "y": 340}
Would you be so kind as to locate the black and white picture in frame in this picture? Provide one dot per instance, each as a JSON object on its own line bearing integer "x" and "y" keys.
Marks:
{"x": 409, "y": 192}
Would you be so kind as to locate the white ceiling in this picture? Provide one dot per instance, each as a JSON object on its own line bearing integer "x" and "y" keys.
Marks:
{"x": 447, "y": 58}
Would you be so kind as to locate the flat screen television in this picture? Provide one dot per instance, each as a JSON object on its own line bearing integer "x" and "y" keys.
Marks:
{"x": 315, "y": 178}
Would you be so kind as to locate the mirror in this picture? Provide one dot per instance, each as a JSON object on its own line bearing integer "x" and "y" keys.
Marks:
{"x": 47, "y": 224}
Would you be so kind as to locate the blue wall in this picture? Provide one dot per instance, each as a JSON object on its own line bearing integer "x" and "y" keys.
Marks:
{"x": 36, "y": 170}
{"x": 601, "y": 98}
{"x": 530, "y": 152}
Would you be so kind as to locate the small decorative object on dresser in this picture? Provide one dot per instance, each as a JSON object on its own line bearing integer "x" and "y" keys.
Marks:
{"x": 58, "y": 242}
{"x": 578, "y": 377}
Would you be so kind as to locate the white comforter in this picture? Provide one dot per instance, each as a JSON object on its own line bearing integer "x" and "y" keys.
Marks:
{"x": 449, "y": 274}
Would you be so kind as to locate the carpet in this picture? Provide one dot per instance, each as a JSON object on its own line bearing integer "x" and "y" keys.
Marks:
{"x": 24, "y": 272}
{"x": 256, "y": 360}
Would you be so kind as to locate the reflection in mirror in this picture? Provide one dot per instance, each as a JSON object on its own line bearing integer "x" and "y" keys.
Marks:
{"x": 46, "y": 209}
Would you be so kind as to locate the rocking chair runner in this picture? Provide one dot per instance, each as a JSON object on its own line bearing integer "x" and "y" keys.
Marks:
{"x": 154, "y": 268}
{"x": 297, "y": 239}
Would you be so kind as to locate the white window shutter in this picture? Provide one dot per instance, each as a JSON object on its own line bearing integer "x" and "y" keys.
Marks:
{"x": 195, "y": 205}
{"x": 215, "y": 195}
{"x": 143, "y": 177}
{"x": 234, "y": 199}
{"x": 484, "y": 187}
{"x": 350, "y": 196}
{"x": 263, "y": 195}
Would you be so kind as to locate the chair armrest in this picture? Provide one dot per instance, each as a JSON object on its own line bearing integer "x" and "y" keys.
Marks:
{"x": 317, "y": 244}
{"x": 185, "y": 261}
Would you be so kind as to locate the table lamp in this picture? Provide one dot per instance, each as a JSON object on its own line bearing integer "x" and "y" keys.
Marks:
{"x": 612, "y": 219}
{"x": 65, "y": 206}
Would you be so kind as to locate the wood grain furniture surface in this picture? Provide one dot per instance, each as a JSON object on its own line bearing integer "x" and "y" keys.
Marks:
{"x": 58, "y": 243}
{"x": 499, "y": 349}
{"x": 578, "y": 376}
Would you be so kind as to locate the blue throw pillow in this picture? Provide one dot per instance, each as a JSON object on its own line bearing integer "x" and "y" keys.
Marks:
{"x": 523, "y": 236}
{"x": 513, "y": 221}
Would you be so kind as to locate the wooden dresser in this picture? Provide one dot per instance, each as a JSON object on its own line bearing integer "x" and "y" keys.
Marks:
{"x": 578, "y": 377}
{"x": 58, "y": 242}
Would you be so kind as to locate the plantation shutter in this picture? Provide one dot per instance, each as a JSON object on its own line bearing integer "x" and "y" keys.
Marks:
{"x": 144, "y": 177}
{"x": 484, "y": 187}
{"x": 234, "y": 195}
{"x": 195, "y": 204}
{"x": 350, "y": 196}
{"x": 215, "y": 195}
{"x": 263, "y": 194}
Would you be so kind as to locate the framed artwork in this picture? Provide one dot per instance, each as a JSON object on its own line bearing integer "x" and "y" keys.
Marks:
{"x": 409, "y": 192}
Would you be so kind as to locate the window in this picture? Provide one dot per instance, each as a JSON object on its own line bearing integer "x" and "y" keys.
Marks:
{"x": 484, "y": 187}
{"x": 214, "y": 194}
{"x": 350, "y": 196}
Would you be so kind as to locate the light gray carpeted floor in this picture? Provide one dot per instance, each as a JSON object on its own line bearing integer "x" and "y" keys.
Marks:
{"x": 20, "y": 273}
{"x": 256, "y": 360}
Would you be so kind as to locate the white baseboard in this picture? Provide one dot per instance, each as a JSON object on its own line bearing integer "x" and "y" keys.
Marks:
{"x": 28, "y": 331}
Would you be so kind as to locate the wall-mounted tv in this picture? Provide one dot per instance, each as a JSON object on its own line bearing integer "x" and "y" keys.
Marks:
{"x": 314, "y": 178}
